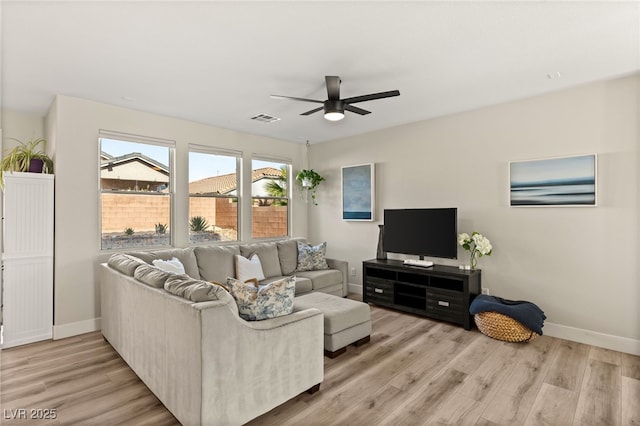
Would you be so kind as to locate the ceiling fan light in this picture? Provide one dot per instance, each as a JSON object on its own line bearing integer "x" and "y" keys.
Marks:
{"x": 334, "y": 115}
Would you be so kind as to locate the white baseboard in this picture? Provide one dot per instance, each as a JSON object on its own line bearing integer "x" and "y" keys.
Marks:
{"x": 607, "y": 341}
{"x": 26, "y": 338}
{"x": 75, "y": 328}
{"x": 354, "y": 288}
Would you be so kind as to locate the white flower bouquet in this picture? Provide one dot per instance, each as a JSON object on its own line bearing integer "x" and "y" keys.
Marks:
{"x": 478, "y": 244}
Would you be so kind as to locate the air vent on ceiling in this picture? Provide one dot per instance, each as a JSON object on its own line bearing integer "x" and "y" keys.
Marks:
{"x": 265, "y": 118}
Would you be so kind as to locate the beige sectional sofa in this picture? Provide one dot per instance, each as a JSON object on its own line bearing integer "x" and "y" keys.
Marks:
{"x": 205, "y": 363}
{"x": 278, "y": 258}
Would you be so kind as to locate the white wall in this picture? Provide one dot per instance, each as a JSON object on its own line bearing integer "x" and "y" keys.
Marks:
{"x": 579, "y": 264}
{"x": 72, "y": 127}
{"x": 21, "y": 126}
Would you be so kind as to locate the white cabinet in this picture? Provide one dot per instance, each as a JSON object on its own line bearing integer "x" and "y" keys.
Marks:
{"x": 27, "y": 258}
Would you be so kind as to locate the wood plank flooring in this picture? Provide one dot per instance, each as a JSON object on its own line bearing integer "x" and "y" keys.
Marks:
{"x": 415, "y": 371}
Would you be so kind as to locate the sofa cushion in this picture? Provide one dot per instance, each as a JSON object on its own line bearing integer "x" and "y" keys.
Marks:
{"x": 311, "y": 258}
{"x": 247, "y": 269}
{"x": 269, "y": 301}
{"x": 151, "y": 276}
{"x": 172, "y": 265}
{"x": 288, "y": 254}
{"x": 322, "y": 279}
{"x": 125, "y": 263}
{"x": 303, "y": 285}
{"x": 185, "y": 255}
{"x": 216, "y": 263}
{"x": 192, "y": 289}
{"x": 268, "y": 254}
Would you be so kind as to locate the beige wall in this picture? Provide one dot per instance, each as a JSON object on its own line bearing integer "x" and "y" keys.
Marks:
{"x": 74, "y": 133}
{"x": 21, "y": 126}
{"x": 579, "y": 264}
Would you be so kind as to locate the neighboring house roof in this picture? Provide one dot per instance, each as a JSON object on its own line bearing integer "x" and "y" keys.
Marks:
{"x": 224, "y": 184}
{"x": 109, "y": 162}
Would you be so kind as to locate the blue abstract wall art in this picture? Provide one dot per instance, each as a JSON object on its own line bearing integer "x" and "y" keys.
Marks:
{"x": 566, "y": 181}
{"x": 358, "y": 192}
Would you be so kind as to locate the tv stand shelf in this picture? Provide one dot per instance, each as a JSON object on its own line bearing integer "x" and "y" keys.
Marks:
{"x": 439, "y": 292}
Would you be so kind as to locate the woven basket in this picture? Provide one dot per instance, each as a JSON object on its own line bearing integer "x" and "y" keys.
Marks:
{"x": 502, "y": 327}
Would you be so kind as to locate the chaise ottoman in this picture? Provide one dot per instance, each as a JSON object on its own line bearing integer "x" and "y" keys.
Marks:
{"x": 346, "y": 321}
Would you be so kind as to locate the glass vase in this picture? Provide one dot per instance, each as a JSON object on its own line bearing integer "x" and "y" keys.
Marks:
{"x": 474, "y": 259}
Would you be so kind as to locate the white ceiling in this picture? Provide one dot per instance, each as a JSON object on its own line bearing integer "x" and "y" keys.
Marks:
{"x": 218, "y": 62}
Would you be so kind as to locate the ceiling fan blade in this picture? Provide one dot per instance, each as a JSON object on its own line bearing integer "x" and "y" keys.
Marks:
{"x": 296, "y": 99}
{"x": 312, "y": 111}
{"x": 372, "y": 96}
{"x": 333, "y": 86}
{"x": 356, "y": 109}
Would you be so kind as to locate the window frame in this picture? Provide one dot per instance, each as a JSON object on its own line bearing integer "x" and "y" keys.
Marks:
{"x": 289, "y": 186}
{"x": 148, "y": 140}
{"x": 205, "y": 149}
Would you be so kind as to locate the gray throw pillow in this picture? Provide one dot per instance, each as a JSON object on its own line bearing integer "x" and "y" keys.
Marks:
{"x": 191, "y": 289}
{"x": 125, "y": 263}
{"x": 151, "y": 276}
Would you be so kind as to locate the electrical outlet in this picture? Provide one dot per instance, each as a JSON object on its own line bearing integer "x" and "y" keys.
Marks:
{"x": 485, "y": 291}
{"x": 353, "y": 272}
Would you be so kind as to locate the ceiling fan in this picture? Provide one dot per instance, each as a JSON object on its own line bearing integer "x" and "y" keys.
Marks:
{"x": 334, "y": 107}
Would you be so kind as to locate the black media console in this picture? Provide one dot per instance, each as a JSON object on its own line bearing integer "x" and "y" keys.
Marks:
{"x": 439, "y": 292}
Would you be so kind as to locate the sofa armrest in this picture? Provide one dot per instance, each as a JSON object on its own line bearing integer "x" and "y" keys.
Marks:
{"x": 268, "y": 324}
{"x": 249, "y": 367}
{"x": 342, "y": 266}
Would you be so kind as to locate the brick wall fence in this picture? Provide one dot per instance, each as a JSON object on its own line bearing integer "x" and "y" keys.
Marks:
{"x": 139, "y": 212}
{"x": 143, "y": 212}
{"x": 269, "y": 221}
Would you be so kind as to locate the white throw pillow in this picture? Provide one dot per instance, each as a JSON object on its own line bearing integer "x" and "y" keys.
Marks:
{"x": 174, "y": 265}
{"x": 247, "y": 269}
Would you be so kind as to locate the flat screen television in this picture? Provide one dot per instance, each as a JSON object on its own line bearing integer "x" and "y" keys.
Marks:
{"x": 428, "y": 232}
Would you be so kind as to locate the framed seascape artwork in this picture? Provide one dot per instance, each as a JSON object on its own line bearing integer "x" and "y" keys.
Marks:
{"x": 358, "y": 192}
{"x": 563, "y": 181}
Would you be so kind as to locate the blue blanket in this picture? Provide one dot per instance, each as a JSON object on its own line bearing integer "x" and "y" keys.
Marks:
{"x": 526, "y": 313}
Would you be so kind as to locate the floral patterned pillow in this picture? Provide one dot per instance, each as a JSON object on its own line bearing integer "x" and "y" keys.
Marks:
{"x": 311, "y": 258}
{"x": 269, "y": 301}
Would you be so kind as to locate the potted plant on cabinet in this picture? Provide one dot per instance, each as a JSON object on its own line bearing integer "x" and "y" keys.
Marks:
{"x": 309, "y": 181}
{"x": 26, "y": 157}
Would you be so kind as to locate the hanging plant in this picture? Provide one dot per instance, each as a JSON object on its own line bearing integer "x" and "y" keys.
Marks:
{"x": 309, "y": 181}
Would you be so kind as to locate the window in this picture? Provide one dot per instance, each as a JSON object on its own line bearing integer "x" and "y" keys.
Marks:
{"x": 213, "y": 195}
{"x": 270, "y": 187}
{"x": 135, "y": 191}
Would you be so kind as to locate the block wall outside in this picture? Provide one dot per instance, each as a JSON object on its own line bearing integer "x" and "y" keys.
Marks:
{"x": 143, "y": 212}
{"x": 139, "y": 212}
{"x": 269, "y": 221}
{"x": 221, "y": 212}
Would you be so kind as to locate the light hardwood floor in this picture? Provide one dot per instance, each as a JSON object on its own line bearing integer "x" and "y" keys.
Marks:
{"x": 414, "y": 371}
